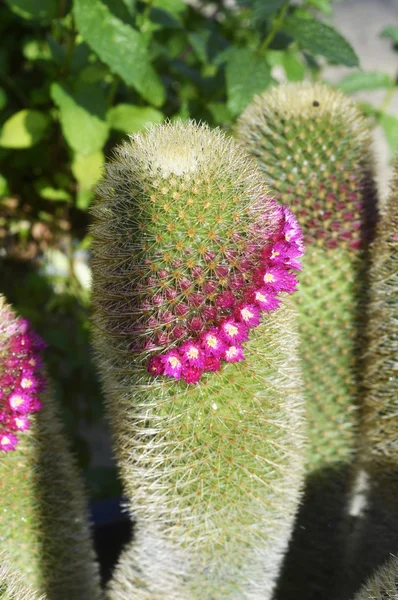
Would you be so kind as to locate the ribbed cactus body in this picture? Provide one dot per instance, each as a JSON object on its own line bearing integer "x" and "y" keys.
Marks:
{"x": 12, "y": 583}
{"x": 43, "y": 515}
{"x": 212, "y": 470}
{"x": 313, "y": 147}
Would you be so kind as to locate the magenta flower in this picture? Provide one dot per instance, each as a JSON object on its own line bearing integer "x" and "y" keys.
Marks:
{"x": 233, "y": 332}
{"x": 212, "y": 364}
{"x": 212, "y": 343}
{"x": 279, "y": 280}
{"x": 192, "y": 354}
{"x": 155, "y": 365}
{"x": 249, "y": 314}
{"x": 234, "y": 354}
{"x": 19, "y": 423}
{"x": 172, "y": 363}
{"x": 191, "y": 374}
{"x": 20, "y": 377}
{"x": 266, "y": 299}
{"x": 19, "y": 402}
{"x": 8, "y": 441}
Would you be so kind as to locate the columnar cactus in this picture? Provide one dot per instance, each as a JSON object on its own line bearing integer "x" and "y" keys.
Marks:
{"x": 12, "y": 583}
{"x": 383, "y": 585}
{"x": 378, "y": 439}
{"x": 189, "y": 256}
{"x": 313, "y": 148}
{"x": 43, "y": 516}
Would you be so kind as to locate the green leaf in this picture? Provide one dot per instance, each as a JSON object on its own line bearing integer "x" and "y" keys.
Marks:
{"x": 48, "y": 192}
{"x": 391, "y": 32}
{"x": 199, "y": 42}
{"x": 87, "y": 170}
{"x": 174, "y": 7}
{"x": 3, "y": 98}
{"x": 130, "y": 119}
{"x": 389, "y": 124}
{"x": 24, "y": 129}
{"x": 246, "y": 75}
{"x": 365, "y": 80}
{"x": 318, "y": 38}
{"x": 120, "y": 46}
{"x": 42, "y": 10}
{"x": 262, "y": 9}
{"x": 294, "y": 68}
{"x": 4, "y": 189}
{"x": 130, "y": 5}
{"x": 82, "y": 116}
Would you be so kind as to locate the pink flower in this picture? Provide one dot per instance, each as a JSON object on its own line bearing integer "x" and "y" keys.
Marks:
{"x": 172, "y": 364}
{"x": 212, "y": 343}
{"x": 19, "y": 402}
{"x": 279, "y": 280}
{"x": 191, "y": 374}
{"x": 19, "y": 423}
{"x": 266, "y": 299}
{"x": 233, "y": 332}
{"x": 8, "y": 441}
{"x": 225, "y": 300}
{"x": 192, "y": 354}
{"x": 155, "y": 366}
{"x": 212, "y": 364}
{"x": 35, "y": 405}
{"x": 234, "y": 354}
{"x": 28, "y": 381}
{"x": 249, "y": 314}
{"x": 21, "y": 343}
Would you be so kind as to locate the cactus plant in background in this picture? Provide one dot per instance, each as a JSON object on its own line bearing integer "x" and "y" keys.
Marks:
{"x": 12, "y": 583}
{"x": 383, "y": 585}
{"x": 202, "y": 384}
{"x": 313, "y": 147}
{"x": 378, "y": 440}
{"x": 43, "y": 516}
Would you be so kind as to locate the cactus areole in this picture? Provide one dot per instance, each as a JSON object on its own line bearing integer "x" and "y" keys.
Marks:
{"x": 198, "y": 254}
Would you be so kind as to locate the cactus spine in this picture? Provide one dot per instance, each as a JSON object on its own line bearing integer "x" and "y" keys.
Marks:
{"x": 212, "y": 469}
{"x": 12, "y": 583}
{"x": 43, "y": 516}
{"x": 313, "y": 147}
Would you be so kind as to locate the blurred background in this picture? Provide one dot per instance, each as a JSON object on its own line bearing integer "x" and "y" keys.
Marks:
{"x": 77, "y": 77}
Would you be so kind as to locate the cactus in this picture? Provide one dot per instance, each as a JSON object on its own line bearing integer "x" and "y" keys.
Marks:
{"x": 43, "y": 516}
{"x": 12, "y": 583}
{"x": 185, "y": 247}
{"x": 313, "y": 148}
{"x": 383, "y": 585}
{"x": 377, "y": 441}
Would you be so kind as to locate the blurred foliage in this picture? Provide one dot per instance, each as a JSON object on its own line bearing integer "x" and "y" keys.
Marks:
{"x": 75, "y": 78}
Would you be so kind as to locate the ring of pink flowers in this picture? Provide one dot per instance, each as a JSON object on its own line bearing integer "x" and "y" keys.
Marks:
{"x": 177, "y": 365}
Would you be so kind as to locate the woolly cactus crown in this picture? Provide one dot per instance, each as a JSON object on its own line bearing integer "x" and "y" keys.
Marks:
{"x": 180, "y": 237}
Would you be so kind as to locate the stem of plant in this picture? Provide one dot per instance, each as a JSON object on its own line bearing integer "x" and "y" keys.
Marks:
{"x": 276, "y": 26}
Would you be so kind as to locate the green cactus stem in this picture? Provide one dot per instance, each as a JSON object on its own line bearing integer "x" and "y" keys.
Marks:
{"x": 313, "y": 148}
{"x": 210, "y": 457}
{"x": 383, "y": 585}
{"x": 12, "y": 583}
{"x": 378, "y": 439}
{"x": 43, "y": 516}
